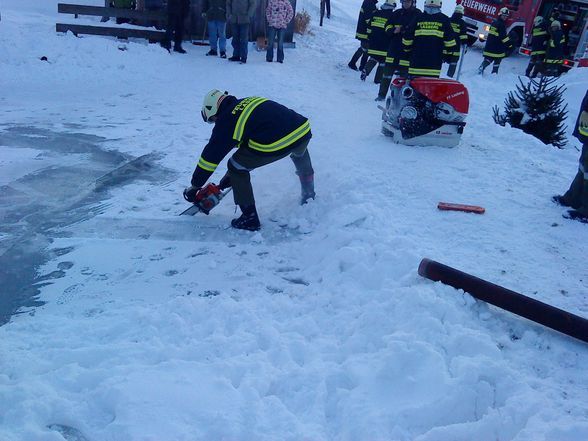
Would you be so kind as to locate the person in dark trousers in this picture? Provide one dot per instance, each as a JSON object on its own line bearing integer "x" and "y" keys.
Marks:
{"x": 401, "y": 19}
{"x": 497, "y": 44}
{"x": 428, "y": 40}
{"x": 539, "y": 37}
{"x": 379, "y": 34}
{"x": 215, "y": 13}
{"x": 239, "y": 13}
{"x": 555, "y": 50}
{"x": 263, "y": 131}
{"x": 177, "y": 11}
{"x": 368, "y": 8}
{"x": 577, "y": 195}
{"x": 461, "y": 35}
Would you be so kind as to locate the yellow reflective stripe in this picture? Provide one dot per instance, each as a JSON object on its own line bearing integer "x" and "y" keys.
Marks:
{"x": 375, "y": 52}
{"x": 389, "y": 27}
{"x": 404, "y": 63}
{"x": 538, "y": 32}
{"x": 583, "y": 130}
{"x": 390, "y": 60}
{"x": 426, "y": 72}
{"x": 284, "y": 142}
{"x": 552, "y": 61}
{"x": 537, "y": 52}
{"x": 505, "y": 39}
{"x": 493, "y": 54}
{"x": 377, "y": 24}
{"x": 450, "y": 43}
{"x": 249, "y": 108}
{"x": 493, "y": 31}
{"x": 361, "y": 36}
{"x": 428, "y": 32}
{"x": 205, "y": 165}
{"x": 407, "y": 42}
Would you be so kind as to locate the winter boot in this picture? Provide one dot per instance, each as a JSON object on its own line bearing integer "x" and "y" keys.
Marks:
{"x": 577, "y": 215}
{"x": 223, "y": 55}
{"x": 561, "y": 200}
{"x": 234, "y": 58}
{"x": 179, "y": 49}
{"x": 248, "y": 220}
{"x": 211, "y": 53}
{"x": 307, "y": 188}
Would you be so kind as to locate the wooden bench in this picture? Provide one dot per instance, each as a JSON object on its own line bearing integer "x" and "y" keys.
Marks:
{"x": 118, "y": 31}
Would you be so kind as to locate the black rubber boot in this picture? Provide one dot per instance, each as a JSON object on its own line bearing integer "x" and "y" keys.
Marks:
{"x": 248, "y": 220}
{"x": 307, "y": 187}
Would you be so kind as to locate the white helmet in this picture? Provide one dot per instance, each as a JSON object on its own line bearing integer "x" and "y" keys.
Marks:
{"x": 459, "y": 9}
{"x": 211, "y": 104}
{"x": 538, "y": 20}
{"x": 432, "y": 3}
{"x": 504, "y": 11}
{"x": 555, "y": 24}
{"x": 391, "y": 3}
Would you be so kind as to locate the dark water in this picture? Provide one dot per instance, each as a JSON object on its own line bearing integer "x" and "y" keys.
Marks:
{"x": 32, "y": 206}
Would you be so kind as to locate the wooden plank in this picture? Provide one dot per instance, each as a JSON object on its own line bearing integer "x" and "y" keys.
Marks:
{"x": 100, "y": 11}
{"x": 449, "y": 206}
{"x": 119, "y": 32}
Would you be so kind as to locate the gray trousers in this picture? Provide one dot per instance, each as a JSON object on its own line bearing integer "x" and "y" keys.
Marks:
{"x": 244, "y": 160}
{"x": 577, "y": 196}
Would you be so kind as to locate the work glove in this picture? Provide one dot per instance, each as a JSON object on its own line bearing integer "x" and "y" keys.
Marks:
{"x": 190, "y": 193}
{"x": 225, "y": 182}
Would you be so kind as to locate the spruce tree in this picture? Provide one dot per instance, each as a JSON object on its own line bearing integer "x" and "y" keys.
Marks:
{"x": 537, "y": 109}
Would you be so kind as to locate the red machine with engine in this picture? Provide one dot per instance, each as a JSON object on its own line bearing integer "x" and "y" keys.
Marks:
{"x": 426, "y": 111}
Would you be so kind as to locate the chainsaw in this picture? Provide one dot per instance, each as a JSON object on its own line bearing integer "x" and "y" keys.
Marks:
{"x": 207, "y": 198}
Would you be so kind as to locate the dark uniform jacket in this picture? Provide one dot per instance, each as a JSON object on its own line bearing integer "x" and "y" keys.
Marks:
{"x": 216, "y": 10}
{"x": 368, "y": 8}
{"x": 582, "y": 132}
{"x": 401, "y": 19}
{"x": 178, "y": 7}
{"x": 426, "y": 43}
{"x": 555, "y": 48}
{"x": 461, "y": 35}
{"x": 254, "y": 123}
{"x": 539, "y": 39}
{"x": 378, "y": 37}
{"x": 498, "y": 41}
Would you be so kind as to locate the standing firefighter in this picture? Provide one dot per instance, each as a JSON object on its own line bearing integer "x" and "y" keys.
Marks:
{"x": 428, "y": 40}
{"x": 497, "y": 44}
{"x": 460, "y": 30}
{"x": 263, "y": 132}
{"x": 577, "y": 196}
{"x": 401, "y": 19}
{"x": 555, "y": 50}
{"x": 368, "y": 8}
{"x": 538, "y": 46}
{"x": 379, "y": 39}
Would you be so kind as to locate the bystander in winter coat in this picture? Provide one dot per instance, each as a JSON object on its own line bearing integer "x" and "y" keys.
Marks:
{"x": 239, "y": 14}
{"x": 279, "y": 14}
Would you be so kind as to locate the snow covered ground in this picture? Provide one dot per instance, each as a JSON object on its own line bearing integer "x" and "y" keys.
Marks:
{"x": 137, "y": 324}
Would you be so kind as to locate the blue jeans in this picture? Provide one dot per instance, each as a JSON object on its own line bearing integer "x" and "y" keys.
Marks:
{"x": 216, "y": 31}
{"x": 271, "y": 36}
{"x": 240, "y": 40}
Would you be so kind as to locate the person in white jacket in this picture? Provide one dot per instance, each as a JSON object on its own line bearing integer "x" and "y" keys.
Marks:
{"x": 278, "y": 13}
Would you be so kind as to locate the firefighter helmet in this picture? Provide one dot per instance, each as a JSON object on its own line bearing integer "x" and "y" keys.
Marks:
{"x": 538, "y": 20}
{"x": 459, "y": 9}
{"x": 504, "y": 11}
{"x": 556, "y": 24}
{"x": 211, "y": 104}
{"x": 433, "y": 3}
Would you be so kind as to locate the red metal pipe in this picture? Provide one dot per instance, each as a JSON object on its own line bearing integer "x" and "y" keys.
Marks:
{"x": 539, "y": 312}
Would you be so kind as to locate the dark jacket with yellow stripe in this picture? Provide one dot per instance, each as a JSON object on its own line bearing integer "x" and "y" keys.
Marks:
{"x": 253, "y": 123}
{"x": 368, "y": 8}
{"x": 581, "y": 132}
{"x": 498, "y": 41}
{"x": 555, "y": 48}
{"x": 426, "y": 43}
{"x": 539, "y": 39}
{"x": 378, "y": 37}
{"x": 400, "y": 21}
{"x": 460, "y": 29}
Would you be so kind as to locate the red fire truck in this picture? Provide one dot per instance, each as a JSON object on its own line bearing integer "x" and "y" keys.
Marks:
{"x": 573, "y": 15}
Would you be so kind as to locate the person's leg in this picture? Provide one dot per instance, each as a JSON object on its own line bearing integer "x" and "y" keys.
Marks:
{"x": 368, "y": 68}
{"x": 222, "y": 37}
{"x": 577, "y": 195}
{"x": 244, "y": 41}
{"x": 328, "y": 4}
{"x": 301, "y": 159}
{"x": 179, "y": 33}
{"x": 379, "y": 72}
{"x": 281, "y": 34}
{"x": 235, "y": 42}
{"x": 356, "y": 56}
{"x": 496, "y": 65}
{"x": 212, "y": 36}
{"x": 385, "y": 82}
{"x": 530, "y": 66}
{"x": 485, "y": 63}
{"x": 271, "y": 36}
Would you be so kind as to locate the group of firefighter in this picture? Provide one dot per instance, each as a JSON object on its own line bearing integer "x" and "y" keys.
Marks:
{"x": 408, "y": 42}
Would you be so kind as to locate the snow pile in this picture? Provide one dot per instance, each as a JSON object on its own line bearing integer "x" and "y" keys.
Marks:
{"x": 160, "y": 327}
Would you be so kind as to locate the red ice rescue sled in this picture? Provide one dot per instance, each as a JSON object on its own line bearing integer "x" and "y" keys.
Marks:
{"x": 426, "y": 111}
